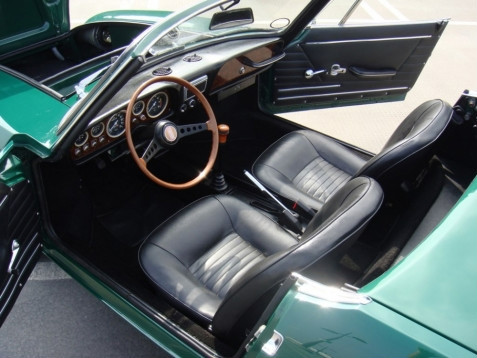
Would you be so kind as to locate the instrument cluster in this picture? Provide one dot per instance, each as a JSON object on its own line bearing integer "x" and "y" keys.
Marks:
{"x": 111, "y": 128}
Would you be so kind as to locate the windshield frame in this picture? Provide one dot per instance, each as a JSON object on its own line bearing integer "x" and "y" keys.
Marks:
{"x": 198, "y": 19}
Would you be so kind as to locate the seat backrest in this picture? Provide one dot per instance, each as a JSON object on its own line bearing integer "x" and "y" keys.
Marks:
{"x": 338, "y": 224}
{"x": 410, "y": 146}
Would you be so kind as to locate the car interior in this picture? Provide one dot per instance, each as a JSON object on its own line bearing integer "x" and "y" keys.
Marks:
{"x": 349, "y": 215}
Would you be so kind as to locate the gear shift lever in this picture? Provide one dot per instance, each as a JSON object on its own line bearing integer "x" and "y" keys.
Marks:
{"x": 219, "y": 184}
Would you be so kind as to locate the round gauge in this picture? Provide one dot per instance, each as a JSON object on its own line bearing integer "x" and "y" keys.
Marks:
{"x": 116, "y": 124}
{"x": 157, "y": 104}
{"x": 138, "y": 107}
{"x": 97, "y": 130}
{"x": 83, "y": 137}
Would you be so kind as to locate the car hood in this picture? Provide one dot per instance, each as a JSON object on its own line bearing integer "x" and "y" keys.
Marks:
{"x": 28, "y": 22}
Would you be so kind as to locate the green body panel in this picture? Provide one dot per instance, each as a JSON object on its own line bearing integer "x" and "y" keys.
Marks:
{"x": 313, "y": 327}
{"x": 11, "y": 170}
{"x": 29, "y": 117}
{"x": 126, "y": 310}
{"x": 137, "y": 16}
{"x": 45, "y": 19}
{"x": 436, "y": 285}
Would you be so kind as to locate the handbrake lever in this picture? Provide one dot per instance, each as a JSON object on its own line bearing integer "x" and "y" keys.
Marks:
{"x": 288, "y": 218}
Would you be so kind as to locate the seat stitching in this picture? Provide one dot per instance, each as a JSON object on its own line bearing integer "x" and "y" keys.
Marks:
{"x": 223, "y": 261}
{"x": 203, "y": 259}
{"x": 336, "y": 187}
{"x": 228, "y": 284}
{"x": 239, "y": 269}
{"x": 340, "y": 185}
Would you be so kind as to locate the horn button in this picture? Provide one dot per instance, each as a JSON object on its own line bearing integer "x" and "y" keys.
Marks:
{"x": 166, "y": 133}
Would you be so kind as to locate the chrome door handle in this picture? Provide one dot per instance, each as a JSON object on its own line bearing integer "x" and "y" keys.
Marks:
{"x": 336, "y": 69}
{"x": 15, "y": 250}
{"x": 310, "y": 73}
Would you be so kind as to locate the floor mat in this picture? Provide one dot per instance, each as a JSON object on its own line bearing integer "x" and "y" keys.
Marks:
{"x": 131, "y": 222}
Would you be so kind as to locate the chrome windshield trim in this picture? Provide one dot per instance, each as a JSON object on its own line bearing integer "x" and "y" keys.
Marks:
{"x": 173, "y": 20}
{"x": 350, "y": 12}
{"x": 327, "y": 293}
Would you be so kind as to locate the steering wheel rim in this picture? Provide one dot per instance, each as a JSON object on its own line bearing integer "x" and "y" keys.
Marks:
{"x": 211, "y": 126}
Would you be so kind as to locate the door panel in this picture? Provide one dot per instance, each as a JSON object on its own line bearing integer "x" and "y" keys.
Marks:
{"x": 19, "y": 241}
{"x": 346, "y": 65}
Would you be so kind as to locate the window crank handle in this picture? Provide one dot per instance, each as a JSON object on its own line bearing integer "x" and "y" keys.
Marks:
{"x": 310, "y": 73}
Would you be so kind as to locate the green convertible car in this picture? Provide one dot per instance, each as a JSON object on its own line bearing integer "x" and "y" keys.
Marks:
{"x": 142, "y": 152}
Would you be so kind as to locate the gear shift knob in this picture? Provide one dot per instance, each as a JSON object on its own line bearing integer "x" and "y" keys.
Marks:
{"x": 223, "y": 133}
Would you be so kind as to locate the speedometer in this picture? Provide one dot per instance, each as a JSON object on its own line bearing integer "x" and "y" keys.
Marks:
{"x": 157, "y": 104}
{"x": 116, "y": 124}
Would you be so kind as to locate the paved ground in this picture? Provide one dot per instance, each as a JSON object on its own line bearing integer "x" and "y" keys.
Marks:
{"x": 55, "y": 317}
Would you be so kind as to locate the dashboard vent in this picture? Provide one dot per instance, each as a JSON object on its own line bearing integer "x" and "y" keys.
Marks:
{"x": 192, "y": 58}
{"x": 162, "y": 71}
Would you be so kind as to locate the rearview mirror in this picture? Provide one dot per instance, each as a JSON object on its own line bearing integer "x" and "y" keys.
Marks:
{"x": 231, "y": 18}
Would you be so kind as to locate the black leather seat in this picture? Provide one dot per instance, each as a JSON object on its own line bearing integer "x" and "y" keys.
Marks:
{"x": 309, "y": 167}
{"x": 218, "y": 258}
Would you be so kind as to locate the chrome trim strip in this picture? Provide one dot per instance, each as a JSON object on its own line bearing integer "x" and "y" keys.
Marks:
{"x": 280, "y": 90}
{"x": 341, "y": 93}
{"x": 370, "y": 40}
{"x": 328, "y": 293}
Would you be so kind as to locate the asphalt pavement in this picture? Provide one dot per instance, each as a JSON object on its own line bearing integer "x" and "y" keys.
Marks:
{"x": 56, "y": 317}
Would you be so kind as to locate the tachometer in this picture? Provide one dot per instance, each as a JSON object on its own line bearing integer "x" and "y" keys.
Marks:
{"x": 157, "y": 104}
{"x": 116, "y": 124}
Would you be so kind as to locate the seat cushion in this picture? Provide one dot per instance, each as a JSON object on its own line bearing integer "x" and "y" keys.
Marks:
{"x": 306, "y": 166}
{"x": 198, "y": 254}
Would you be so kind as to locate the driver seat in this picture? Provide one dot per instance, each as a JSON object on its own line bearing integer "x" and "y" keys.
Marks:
{"x": 219, "y": 260}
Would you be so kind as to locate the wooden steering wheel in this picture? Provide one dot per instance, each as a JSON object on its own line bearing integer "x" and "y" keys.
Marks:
{"x": 167, "y": 134}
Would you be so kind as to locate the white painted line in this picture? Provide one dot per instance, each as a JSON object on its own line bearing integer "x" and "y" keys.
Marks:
{"x": 399, "y": 15}
{"x": 463, "y": 23}
{"x": 371, "y": 12}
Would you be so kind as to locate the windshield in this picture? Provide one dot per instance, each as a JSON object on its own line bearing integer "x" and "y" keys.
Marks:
{"x": 229, "y": 18}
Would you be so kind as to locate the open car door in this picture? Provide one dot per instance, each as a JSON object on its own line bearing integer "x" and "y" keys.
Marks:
{"x": 19, "y": 240}
{"x": 349, "y": 64}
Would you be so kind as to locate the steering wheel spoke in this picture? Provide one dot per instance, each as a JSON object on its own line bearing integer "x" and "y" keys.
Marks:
{"x": 190, "y": 129}
{"x": 152, "y": 149}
